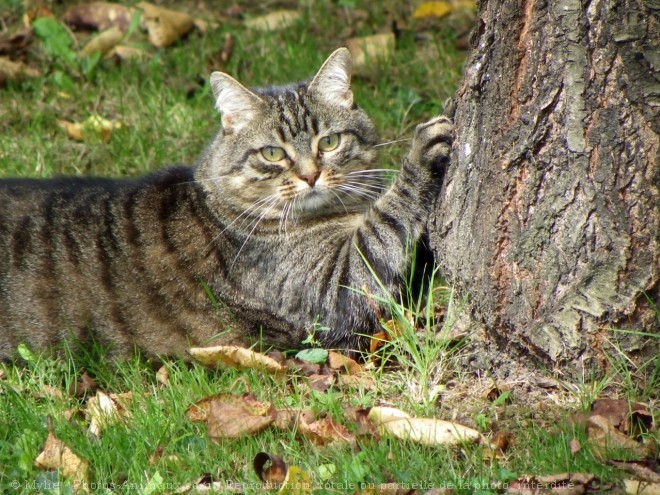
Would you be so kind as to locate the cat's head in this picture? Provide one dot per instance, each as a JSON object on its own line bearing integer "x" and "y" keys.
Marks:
{"x": 304, "y": 148}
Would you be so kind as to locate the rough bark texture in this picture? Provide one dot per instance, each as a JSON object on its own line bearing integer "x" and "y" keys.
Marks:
{"x": 549, "y": 218}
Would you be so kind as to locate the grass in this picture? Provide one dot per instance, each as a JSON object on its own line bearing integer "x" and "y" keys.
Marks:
{"x": 167, "y": 112}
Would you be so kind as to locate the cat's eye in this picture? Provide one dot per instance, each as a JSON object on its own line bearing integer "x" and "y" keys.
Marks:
{"x": 329, "y": 143}
{"x": 273, "y": 153}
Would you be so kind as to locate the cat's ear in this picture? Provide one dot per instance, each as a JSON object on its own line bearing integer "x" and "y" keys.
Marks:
{"x": 333, "y": 80}
{"x": 237, "y": 104}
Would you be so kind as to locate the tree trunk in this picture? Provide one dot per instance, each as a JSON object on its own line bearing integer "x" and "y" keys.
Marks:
{"x": 549, "y": 218}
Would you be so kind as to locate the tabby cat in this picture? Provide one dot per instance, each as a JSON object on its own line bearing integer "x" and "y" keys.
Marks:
{"x": 272, "y": 233}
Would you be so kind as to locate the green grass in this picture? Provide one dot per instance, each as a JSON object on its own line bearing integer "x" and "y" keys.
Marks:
{"x": 167, "y": 110}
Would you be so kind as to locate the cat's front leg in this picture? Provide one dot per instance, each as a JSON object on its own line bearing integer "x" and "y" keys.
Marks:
{"x": 377, "y": 254}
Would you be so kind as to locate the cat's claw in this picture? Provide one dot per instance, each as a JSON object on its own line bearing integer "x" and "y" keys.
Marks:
{"x": 432, "y": 143}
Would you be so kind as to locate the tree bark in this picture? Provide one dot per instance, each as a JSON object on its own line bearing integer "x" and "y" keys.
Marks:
{"x": 549, "y": 218}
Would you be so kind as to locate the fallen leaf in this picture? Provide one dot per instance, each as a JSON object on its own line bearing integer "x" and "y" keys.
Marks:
{"x": 56, "y": 455}
{"x": 604, "y": 436}
{"x": 574, "y": 446}
{"x": 235, "y": 357}
{"x": 164, "y": 26}
{"x": 84, "y": 385}
{"x": 274, "y": 21}
{"x": 104, "y": 410}
{"x": 642, "y": 470}
{"x": 378, "y": 340}
{"x": 98, "y": 16}
{"x": 163, "y": 375}
{"x": 270, "y": 468}
{"x": 103, "y": 42}
{"x": 93, "y": 126}
{"x": 325, "y": 431}
{"x": 370, "y": 49}
{"x": 631, "y": 418}
{"x": 232, "y": 416}
{"x": 15, "y": 71}
{"x": 382, "y": 414}
{"x": 122, "y": 52}
{"x": 432, "y": 9}
{"x": 363, "y": 381}
{"x": 302, "y": 367}
{"x": 297, "y": 482}
{"x": 501, "y": 441}
{"x": 321, "y": 383}
{"x": 340, "y": 362}
{"x": 426, "y": 431}
{"x": 635, "y": 487}
{"x": 288, "y": 419}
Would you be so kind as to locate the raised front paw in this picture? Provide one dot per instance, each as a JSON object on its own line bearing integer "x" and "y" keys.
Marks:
{"x": 431, "y": 145}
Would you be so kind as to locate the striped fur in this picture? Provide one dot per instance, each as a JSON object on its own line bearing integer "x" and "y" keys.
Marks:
{"x": 130, "y": 262}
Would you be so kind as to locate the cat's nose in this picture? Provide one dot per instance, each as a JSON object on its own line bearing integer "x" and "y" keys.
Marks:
{"x": 310, "y": 178}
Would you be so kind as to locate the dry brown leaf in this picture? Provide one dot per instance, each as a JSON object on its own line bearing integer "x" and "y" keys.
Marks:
{"x": 630, "y": 418}
{"x": 603, "y": 436}
{"x": 230, "y": 416}
{"x": 58, "y": 456}
{"x": 274, "y": 21}
{"x": 163, "y": 375}
{"x": 432, "y": 9}
{"x": 104, "y": 410}
{"x": 644, "y": 471}
{"x": 122, "y": 52}
{"x": 321, "y": 383}
{"x": 103, "y": 42}
{"x": 338, "y": 361}
{"x": 287, "y": 419}
{"x": 325, "y": 431}
{"x": 15, "y": 71}
{"x": 635, "y": 487}
{"x": 369, "y": 49}
{"x": 84, "y": 385}
{"x": 363, "y": 381}
{"x": 501, "y": 441}
{"x": 575, "y": 446}
{"x": 98, "y": 16}
{"x": 164, "y": 26}
{"x": 235, "y": 357}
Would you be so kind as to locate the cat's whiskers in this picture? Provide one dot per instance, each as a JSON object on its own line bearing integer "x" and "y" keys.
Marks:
{"x": 275, "y": 200}
{"x": 392, "y": 142}
{"x": 351, "y": 189}
{"x": 245, "y": 215}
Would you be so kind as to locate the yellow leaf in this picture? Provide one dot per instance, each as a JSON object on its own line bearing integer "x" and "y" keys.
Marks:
{"x": 427, "y": 431}
{"x": 103, "y": 42}
{"x": 432, "y": 9}
{"x": 235, "y": 357}
{"x": 297, "y": 482}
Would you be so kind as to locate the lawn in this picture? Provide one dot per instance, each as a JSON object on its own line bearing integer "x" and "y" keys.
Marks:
{"x": 163, "y": 108}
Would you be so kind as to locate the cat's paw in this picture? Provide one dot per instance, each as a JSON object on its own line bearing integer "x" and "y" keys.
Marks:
{"x": 432, "y": 142}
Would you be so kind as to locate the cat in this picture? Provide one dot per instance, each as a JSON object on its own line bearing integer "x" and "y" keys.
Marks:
{"x": 278, "y": 230}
